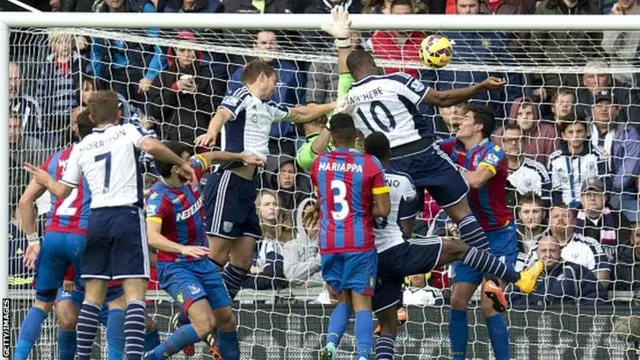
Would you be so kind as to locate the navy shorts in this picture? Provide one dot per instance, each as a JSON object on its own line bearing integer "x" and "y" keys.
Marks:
{"x": 116, "y": 245}
{"x": 354, "y": 271}
{"x": 188, "y": 282}
{"x": 419, "y": 256}
{"x": 503, "y": 244}
{"x": 57, "y": 252}
{"x": 230, "y": 210}
{"x": 432, "y": 169}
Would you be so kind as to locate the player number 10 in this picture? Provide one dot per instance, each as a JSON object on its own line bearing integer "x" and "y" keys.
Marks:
{"x": 339, "y": 192}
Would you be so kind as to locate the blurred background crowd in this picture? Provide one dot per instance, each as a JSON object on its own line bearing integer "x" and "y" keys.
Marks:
{"x": 571, "y": 136}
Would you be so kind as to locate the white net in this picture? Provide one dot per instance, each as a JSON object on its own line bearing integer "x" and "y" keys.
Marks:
{"x": 560, "y": 75}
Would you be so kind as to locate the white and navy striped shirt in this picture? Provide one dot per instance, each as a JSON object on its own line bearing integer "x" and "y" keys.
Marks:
{"x": 568, "y": 172}
{"x": 108, "y": 159}
{"x": 249, "y": 128}
{"x": 580, "y": 249}
{"x": 404, "y": 205}
{"x": 531, "y": 176}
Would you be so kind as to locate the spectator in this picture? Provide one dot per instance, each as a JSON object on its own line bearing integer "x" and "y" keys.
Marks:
{"x": 623, "y": 47}
{"x": 322, "y": 87}
{"x": 57, "y": 83}
{"x": 574, "y": 162}
{"x": 325, "y": 6}
{"x": 302, "y": 255}
{"x": 563, "y": 105}
{"x": 290, "y": 90}
{"x": 481, "y": 47}
{"x": 131, "y": 67}
{"x": 22, "y": 104}
{"x": 446, "y": 124}
{"x": 539, "y": 138}
{"x": 531, "y": 221}
{"x": 518, "y": 41}
{"x": 22, "y": 148}
{"x": 597, "y": 221}
{"x": 267, "y": 272}
{"x": 562, "y": 282}
{"x": 401, "y": 46}
{"x": 384, "y": 7}
{"x": 468, "y": 7}
{"x": 260, "y": 6}
{"x": 620, "y": 143}
{"x": 419, "y": 293}
{"x": 76, "y": 5}
{"x": 192, "y": 6}
{"x": 563, "y": 48}
{"x": 576, "y": 248}
{"x": 291, "y": 186}
{"x": 525, "y": 175}
{"x": 628, "y": 266}
{"x": 181, "y": 97}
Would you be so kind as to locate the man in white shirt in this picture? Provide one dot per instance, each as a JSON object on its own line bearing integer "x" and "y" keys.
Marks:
{"x": 116, "y": 237}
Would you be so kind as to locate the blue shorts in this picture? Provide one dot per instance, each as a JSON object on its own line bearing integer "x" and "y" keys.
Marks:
{"x": 431, "y": 168}
{"x": 503, "y": 244}
{"x": 230, "y": 210}
{"x": 419, "y": 256}
{"x": 188, "y": 282}
{"x": 57, "y": 252}
{"x": 77, "y": 297}
{"x": 116, "y": 245}
{"x": 354, "y": 271}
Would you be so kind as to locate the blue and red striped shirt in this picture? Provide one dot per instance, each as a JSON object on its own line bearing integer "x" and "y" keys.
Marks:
{"x": 70, "y": 214}
{"x": 345, "y": 182}
{"x": 180, "y": 211}
{"x": 488, "y": 203}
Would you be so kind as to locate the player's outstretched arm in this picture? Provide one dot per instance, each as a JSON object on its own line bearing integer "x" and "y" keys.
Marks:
{"x": 43, "y": 178}
{"x": 160, "y": 242}
{"x": 219, "y": 119}
{"x": 457, "y": 96}
{"x": 340, "y": 29}
{"x": 306, "y": 113}
{"x": 217, "y": 157}
{"x": 27, "y": 214}
{"x": 163, "y": 153}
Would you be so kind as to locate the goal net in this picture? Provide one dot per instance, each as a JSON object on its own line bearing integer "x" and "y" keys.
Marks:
{"x": 554, "y": 78}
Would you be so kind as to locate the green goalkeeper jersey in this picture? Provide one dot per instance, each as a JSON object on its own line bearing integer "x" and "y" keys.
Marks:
{"x": 305, "y": 155}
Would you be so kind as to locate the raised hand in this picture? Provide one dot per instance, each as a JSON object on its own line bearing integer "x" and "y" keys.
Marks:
{"x": 40, "y": 176}
{"x": 491, "y": 83}
{"x": 204, "y": 140}
{"x": 341, "y": 26}
{"x": 31, "y": 255}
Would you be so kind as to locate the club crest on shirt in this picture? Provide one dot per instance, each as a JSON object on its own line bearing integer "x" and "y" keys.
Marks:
{"x": 180, "y": 298}
{"x": 193, "y": 289}
{"x": 227, "y": 226}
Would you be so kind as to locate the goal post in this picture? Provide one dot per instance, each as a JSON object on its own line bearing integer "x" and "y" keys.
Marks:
{"x": 289, "y": 323}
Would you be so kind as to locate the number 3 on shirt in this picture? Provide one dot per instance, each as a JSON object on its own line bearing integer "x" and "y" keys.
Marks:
{"x": 340, "y": 203}
{"x": 107, "y": 167}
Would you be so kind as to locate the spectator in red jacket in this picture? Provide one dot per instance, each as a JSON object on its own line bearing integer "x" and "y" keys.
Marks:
{"x": 398, "y": 45}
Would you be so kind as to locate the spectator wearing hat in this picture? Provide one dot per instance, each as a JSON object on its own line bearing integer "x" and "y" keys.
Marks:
{"x": 620, "y": 142}
{"x": 597, "y": 221}
{"x": 575, "y": 161}
{"x": 575, "y": 247}
{"x": 562, "y": 282}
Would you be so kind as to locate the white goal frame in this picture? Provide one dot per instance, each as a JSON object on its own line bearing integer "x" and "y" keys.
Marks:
{"x": 271, "y": 21}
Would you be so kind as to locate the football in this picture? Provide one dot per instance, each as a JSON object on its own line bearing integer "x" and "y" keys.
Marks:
{"x": 436, "y": 51}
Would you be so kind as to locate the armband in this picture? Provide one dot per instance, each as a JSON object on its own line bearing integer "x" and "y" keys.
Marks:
{"x": 343, "y": 43}
{"x": 33, "y": 238}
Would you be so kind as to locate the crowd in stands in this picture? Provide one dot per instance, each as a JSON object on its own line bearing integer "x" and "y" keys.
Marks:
{"x": 572, "y": 140}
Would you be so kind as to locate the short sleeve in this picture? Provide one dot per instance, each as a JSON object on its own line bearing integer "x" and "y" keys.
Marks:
{"x": 46, "y": 163}
{"x": 411, "y": 88}
{"x": 305, "y": 156}
{"x": 409, "y": 204}
{"x": 447, "y": 145}
{"x": 278, "y": 112}
{"x": 199, "y": 165}
{"x": 376, "y": 173}
{"x": 135, "y": 133}
{"x": 72, "y": 171}
{"x": 157, "y": 210}
{"x": 492, "y": 158}
{"x": 235, "y": 103}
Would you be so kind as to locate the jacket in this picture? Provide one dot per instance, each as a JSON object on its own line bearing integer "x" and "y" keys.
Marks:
{"x": 267, "y": 256}
{"x": 568, "y": 172}
{"x": 627, "y": 269}
{"x": 184, "y": 116}
{"x": 322, "y": 85}
{"x": 622, "y": 148}
{"x": 385, "y": 47}
{"x": 567, "y": 284}
{"x": 302, "y": 261}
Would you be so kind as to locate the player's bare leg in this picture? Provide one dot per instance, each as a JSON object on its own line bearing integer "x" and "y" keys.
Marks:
{"x": 67, "y": 315}
{"x": 238, "y": 254}
{"x": 227, "y": 333}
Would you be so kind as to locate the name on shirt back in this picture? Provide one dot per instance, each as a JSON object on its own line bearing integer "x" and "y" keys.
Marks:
{"x": 368, "y": 96}
{"x": 103, "y": 142}
{"x": 340, "y": 167}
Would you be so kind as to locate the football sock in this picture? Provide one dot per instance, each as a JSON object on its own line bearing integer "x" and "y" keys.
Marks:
{"x": 115, "y": 334}
{"x": 471, "y": 233}
{"x": 67, "y": 344}
{"x": 228, "y": 345}
{"x": 134, "y": 329}
{"x": 338, "y": 323}
{"x": 233, "y": 277}
{"x": 151, "y": 340}
{"x": 385, "y": 348}
{"x": 458, "y": 333}
{"x": 183, "y": 336}
{"x": 29, "y": 332}
{"x": 364, "y": 333}
{"x": 86, "y": 329}
{"x": 489, "y": 264}
{"x": 499, "y": 336}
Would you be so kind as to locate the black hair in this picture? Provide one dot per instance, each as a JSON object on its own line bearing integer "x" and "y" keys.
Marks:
{"x": 343, "y": 128}
{"x": 84, "y": 123}
{"x": 512, "y": 126}
{"x": 361, "y": 62}
{"x": 178, "y": 148}
{"x": 483, "y": 115}
{"x": 377, "y": 144}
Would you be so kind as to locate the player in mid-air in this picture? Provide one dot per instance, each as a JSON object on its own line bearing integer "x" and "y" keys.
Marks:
{"x": 175, "y": 224}
{"x": 485, "y": 168}
{"x": 351, "y": 192}
{"x": 390, "y": 104}
{"x": 62, "y": 246}
{"x": 247, "y": 115}
{"x": 116, "y": 236}
{"x": 398, "y": 258}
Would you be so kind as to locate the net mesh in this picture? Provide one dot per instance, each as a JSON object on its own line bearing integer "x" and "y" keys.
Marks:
{"x": 287, "y": 323}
